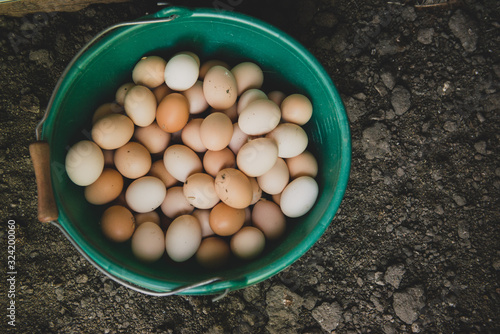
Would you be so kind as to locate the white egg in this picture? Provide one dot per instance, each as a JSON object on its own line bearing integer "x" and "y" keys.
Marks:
{"x": 145, "y": 194}
{"x": 183, "y": 238}
{"x": 84, "y": 163}
{"x": 299, "y": 196}
{"x": 181, "y": 72}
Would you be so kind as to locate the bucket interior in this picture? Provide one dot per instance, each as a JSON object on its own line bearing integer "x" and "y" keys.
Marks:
{"x": 93, "y": 80}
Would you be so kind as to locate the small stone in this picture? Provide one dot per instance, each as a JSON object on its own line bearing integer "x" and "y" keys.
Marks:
{"x": 379, "y": 278}
{"x": 450, "y": 126}
{"x": 388, "y": 79}
{"x": 463, "y": 231}
{"x": 464, "y": 29}
{"x": 496, "y": 265}
{"x": 400, "y": 100}
{"x": 329, "y": 316}
{"x": 408, "y": 304}
{"x": 41, "y": 57}
{"x": 400, "y": 172}
{"x": 81, "y": 279}
{"x": 394, "y": 274}
{"x": 439, "y": 209}
{"x": 480, "y": 147}
{"x": 425, "y": 35}
{"x": 459, "y": 200}
{"x": 355, "y": 109}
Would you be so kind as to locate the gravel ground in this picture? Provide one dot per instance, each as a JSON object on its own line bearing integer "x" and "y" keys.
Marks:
{"x": 415, "y": 246}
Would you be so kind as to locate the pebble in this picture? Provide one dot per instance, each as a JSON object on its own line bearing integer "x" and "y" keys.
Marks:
{"x": 282, "y": 308}
{"x": 81, "y": 279}
{"x": 41, "y": 57}
{"x": 376, "y": 141}
{"x": 355, "y": 109}
{"x": 480, "y": 147}
{"x": 394, "y": 274}
{"x": 450, "y": 126}
{"x": 407, "y": 304}
{"x": 459, "y": 200}
{"x": 400, "y": 100}
{"x": 329, "y": 316}
{"x": 425, "y": 35}
{"x": 464, "y": 29}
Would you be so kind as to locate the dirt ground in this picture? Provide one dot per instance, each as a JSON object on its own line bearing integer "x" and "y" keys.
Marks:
{"x": 415, "y": 246}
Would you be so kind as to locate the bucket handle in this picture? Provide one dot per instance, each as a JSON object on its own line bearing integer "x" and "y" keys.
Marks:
{"x": 47, "y": 207}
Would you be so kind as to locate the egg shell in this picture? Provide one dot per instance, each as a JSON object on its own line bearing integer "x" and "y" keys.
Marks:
{"x": 276, "y": 198}
{"x": 276, "y": 96}
{"x": 106, "y": 188}
{"x": 149, "y": 71}
{"x": 181, "y": 72}
{"x": 122, "y": 91}
{"x": 117, "y": 223}
{"x": 175, "y": 203}
{"x": 160, "y": 92}
{"x": 112, "y": 131}
{"x": 158, "y": 170}
{"x": 256, "y": 190}
{"x": 304, "y": 164}
{"x": 108, "y": 158}
{"x": 299, "y": 196}
{"x": 225, "y": 220}
{"x": 214, "y": 161}
{"x": 216, "y": 131}
{"x": 275, "y": 180}
{"x": 233, "y": 188}
{"x": 192, "y": 54}
{"x": 248, "y": 75}
{"x": 268, "y": 217}
{"x": 152, "y": 137}
{"x": 151, "y": 216}
{"x": 213, "y": 253}
{"x": 190, "y": 135}
{"x": 183, "y": 238}
{"x": 249, "y": 96}
{"x": 172, "y": 113}
{"x": 238, "y": 139}
{"x": 209, "y": 64}
{"x": 259, "y": 117}
{"x": 220, "y": 88}
{"x": 145, "y": 194}
{"x": 140, "y": 105}
{"x": 196, "y": 98}
{"x": 106, "y": 109}
{"x": 296, "y": 108}
{"x": 248, "y": 243}
{"x": 257, "y": 156}
{"x": 132, "y": 160}
{"x": 199, "y": 190}
{"x": 84, "y": 163}
{"x": 148, "y": 242}
{"x": 292, "y": 140}
{"x": 181, "y": 161}
{"x": 203, "y": 217}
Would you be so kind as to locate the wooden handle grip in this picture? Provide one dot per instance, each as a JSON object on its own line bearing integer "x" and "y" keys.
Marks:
{"x": 40, "y": 156}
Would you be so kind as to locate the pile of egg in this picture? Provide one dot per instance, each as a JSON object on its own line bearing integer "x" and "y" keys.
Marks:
{"x": 197, "y": 161}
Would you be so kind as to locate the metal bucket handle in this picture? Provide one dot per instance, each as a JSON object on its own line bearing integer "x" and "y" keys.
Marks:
{"x": 40, "y": 156}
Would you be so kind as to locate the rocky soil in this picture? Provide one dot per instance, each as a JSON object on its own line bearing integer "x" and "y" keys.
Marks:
{"x": 415, "y": 246}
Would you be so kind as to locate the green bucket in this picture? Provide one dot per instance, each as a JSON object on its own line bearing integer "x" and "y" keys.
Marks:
{"x": 107, "y": 61}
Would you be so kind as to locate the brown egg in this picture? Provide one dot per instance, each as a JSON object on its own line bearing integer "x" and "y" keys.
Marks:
{"x": 231, "y": 112}
{"x": 257, "y": 191}
{"x": 214, "y": 161}
{"x": 196, "y": 98}
{"x": 248, "y": 243}
{"x": 175, "y": 203}
{"x": 267, "y": 217}
{"x": 209, "y": 64}
{"x": 152, "y": 137}
{"x": 248, "y": 75}
{"x": 199, "y": 190}
{"x": 225, "y": 220}
{"x": 304, "y": 164}
{"x": 216, "y": 131}
{"x": 213, "y": 253}
{"x": 108, "y": 158}
{"x": 106, "y": 188}
{"x": 158, "y": 170}
{"x": 133, "y": 160}
{"x": 276, "y": 96}
{"x": 117, "y": 223}
{"x": 148, "y": 242}
{"x": 172, "y": 113}
{"x": 219, "y": 88}
{"x": 190, "y": 135}
{"x": 296, "y": 108}
{"x": 151, "y": 216}
{"x": 161, "y": 91}
{"x": 233, "y": 188}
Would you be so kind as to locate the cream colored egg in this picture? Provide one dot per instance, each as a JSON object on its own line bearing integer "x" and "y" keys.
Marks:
{"x": 196, "y": 98}
{"x": 181, "y": 161}
{"x": 183, "y": 238}
{"x": 275, "y": 180}
{"x": 209, "y": 64}
{"x": 132, "y": 160}
{"x": 250, "y": 96}
{"x": 256, "y": 190}
{"x": 161, "y": 91}
{"x": 248, "y": 75}
{"x": 216, "y": 131}
{"x": 259, "y": 117}
{"x": 149, "y": 71}
{"x": 203, "y": 217}
{"x": 268, "y": 217}
{"x": 257, "y": 156}
{"x": 304, "y": 164}
{"x": 220, "y": 88}
{"x": 214, "y": 161}
{"x": 158, "y": 170}
{"x": 145, "y": 194}
{"x": 122, "y": 91}
{"x": 106, "y": 109}
{"x": 140, "y": 105}
{"x": 238, "y": 139}
{"x": 181, "y": 72}
{"x": 190, "y": 135}
{"x": 199, "y": 190}
{"x": 84, "y": 163}
{"x": 112, "y": 131}
{"x": 233, "y": 188}
{"x": 148, "y": 242}
{"x": 292, "y": 140}
{"x": 151, "y": 216}
{"x": 299, "y": 196}
{"x": 231, "y": 112}
{"x": 175, "y": 203}
{"x": 248, "y": 243}
{"x": 152, "y": 137}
